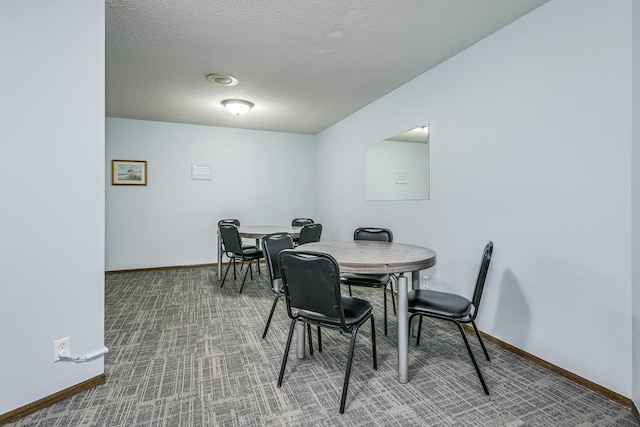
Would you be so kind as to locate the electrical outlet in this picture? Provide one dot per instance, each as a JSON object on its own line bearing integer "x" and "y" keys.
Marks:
{"x": 59, "y": 346}
{"x": 425, "y": 281}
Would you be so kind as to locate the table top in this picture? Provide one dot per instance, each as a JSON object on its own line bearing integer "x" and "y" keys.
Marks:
{"x": 374, "y": 257}
{"x": 258, "y": 231}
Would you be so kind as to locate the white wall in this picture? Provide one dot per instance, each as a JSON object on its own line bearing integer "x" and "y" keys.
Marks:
{"x": 530, "y": 143}
{"x": 52, "y": 186}
{"x": 258, "y": 177}
{"x": 636, "y": 208}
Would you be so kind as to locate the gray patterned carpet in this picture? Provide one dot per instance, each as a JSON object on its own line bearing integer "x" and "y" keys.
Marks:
{"x": 184, "y": 352}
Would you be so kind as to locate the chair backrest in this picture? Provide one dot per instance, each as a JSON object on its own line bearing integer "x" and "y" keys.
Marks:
{"x": 231, "y": 242}
{"x": 311, "y": 282}
{"x": 227, "y": 221}
{"x": 373, "y": 233}
{"x": 482, "y": 276}
{"x": 299, "y": 222}
{"x": 272, "y": 245}
{"x": 310, "y": 233}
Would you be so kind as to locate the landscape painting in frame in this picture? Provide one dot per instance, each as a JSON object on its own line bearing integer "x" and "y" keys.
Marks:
{"x": 129, "y": 172}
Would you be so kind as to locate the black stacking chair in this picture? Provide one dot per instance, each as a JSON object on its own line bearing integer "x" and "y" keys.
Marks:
{"x": 455, "y": 308}
{"x": 299, "y": 222}
{"x": 236, "y": 222}
{"x": 232, "y": 244}
{"x": 310, "y": 233}
{"x": 312, "y": 288}
{"x": 272, "y": 245}
{"x": 372, "y": 280}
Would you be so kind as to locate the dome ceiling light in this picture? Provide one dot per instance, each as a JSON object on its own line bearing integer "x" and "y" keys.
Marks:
{"x": 238, "y": 107}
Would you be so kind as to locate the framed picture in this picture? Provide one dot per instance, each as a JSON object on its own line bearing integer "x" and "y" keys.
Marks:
{"x": 128, "y": 172}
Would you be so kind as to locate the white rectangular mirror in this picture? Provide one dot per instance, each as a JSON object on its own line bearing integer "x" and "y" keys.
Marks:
{"x": 397, "y": 168}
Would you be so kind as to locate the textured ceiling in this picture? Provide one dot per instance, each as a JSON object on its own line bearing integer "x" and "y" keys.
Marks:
{"x": 304, "y": 64}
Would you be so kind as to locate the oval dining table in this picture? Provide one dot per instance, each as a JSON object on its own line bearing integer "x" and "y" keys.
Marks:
{"x": 373, "y": 257}
{"x": 256, "y": 232}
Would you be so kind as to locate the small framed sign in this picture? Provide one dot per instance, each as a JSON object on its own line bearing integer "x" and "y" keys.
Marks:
{"x": 401, "y": 177}
{"x": 128, "y": 172}
{"x": 202, "y": 172}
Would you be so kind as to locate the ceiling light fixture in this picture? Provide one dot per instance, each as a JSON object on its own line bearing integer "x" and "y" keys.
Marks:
{"x": 222, "y": 79}
{"x": 238, "y": 107}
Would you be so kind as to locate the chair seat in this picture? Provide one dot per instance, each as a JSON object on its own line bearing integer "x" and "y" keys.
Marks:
{"x": 369, "y": 280}
{"x": 355, "y": 311}
{"x": 252, "y": 253}
{"x": 439, "y": 303}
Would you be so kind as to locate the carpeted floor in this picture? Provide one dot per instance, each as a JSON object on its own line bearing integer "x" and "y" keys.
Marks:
{"x": 184, "y": 352}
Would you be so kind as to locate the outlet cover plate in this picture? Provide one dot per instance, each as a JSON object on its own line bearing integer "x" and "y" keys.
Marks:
{"x": 60, "y": 345}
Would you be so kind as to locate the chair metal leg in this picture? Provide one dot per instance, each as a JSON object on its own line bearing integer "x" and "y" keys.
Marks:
{"x": 385, "y": 309}
{"x": 409, "y": 325}
{"x": 473, "y": 359}
{"x": 419, "y": 329}
{"x": 273, "y": 308}
{"x": 480, "y": 339}
{"x": 319, "y": 340}
{"x": 310, "y": 341}
{"x": 345, "y": 385}
{"x": 466, "y": 343}
{"x": 393, "y": 298}
{"x": 245, "y": 278}
{"x": 225, "y": 275}
{"x": 286, "y": 352}
{"x": 373, "y": 343}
